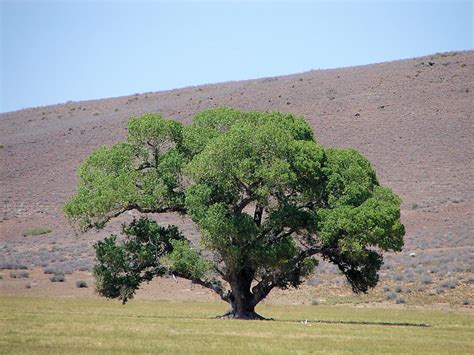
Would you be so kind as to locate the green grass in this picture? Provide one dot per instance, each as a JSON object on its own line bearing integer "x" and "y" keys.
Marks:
{"x": 37, "y": 231}
{"x": 60, "y": 325}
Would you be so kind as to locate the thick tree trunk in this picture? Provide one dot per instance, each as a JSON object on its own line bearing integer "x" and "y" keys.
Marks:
{"x": 242, "y": 301}
{"x": 239, "y": 310}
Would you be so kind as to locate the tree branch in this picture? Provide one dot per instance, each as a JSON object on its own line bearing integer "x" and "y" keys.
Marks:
{"x": 246, "y": 200}
{"x": 243, "y": 203}
{"x": 271, "y": 280}
{"x": 257, "y": 216}
{"x": 212, "y": 284}
{"x": 131, "y": 207}
{"x": 143, "y": 166}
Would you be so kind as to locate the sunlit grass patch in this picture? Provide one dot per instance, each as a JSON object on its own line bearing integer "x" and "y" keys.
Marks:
{"x": 37, "y": 231}
{"x": 101, "y": 326}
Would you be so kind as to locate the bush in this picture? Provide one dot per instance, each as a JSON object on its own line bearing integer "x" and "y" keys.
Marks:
{"x": 19, "y": 275}
{"x": 52, "y": 270}
{"x": 37, "y": 231}
{"x": 427, "y": 280}
{"x": 398, "y": 277}
{"x": 398, "y": 289}
{"x": 449, "y": 284}
{"x": 466, "y": 302}
{"x": 391, "y": 296}
{"x": 14, "y": 265}
{"x": 57, "y": 278}
{"x": 81, "y": 284}
{"x": 400, "y": 300}
{"x": 28, "y": 285}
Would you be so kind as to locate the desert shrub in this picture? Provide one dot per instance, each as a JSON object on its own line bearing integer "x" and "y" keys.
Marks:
{"x": 400, "y": 300}
{"x": 427, "y": 280}
{"x": 398, "y": 289}
{"x": 49, "y": 270}
{"x": 391, "y": 296}
{"x": 387, "y": 265}
{"x": 54, "y": 270}
{"x": 81, "y": 284}
{"x": 1, "y": 277}
{"x": 470, "y": 279}
{"x": 37, "y": 231}
{"x": 19, "y": 275}
{"x": 13, "y": 266}
{"x": 449, "y": 284}
{"x": 28, "y": 285}
{"x": 313, "y": 281}
{"x": 466, "y": 302}
{"x": 57, "y": 278}
{"x": 314, "y": 302}
{"x": 439, "y": 291}
{"x": 398, "y": 277}
{"x": 411, "y": 277}
{"x": 386, "y": 288}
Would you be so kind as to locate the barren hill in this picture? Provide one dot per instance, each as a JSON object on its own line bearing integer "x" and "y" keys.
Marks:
{"x": 414, "y": 120}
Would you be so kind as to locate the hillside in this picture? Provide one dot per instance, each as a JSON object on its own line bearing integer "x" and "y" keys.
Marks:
{"x": 412, "y": 118}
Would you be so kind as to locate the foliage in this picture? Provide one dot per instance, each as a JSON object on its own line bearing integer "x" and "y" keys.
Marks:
{"x": 37, "y": 231}
{"x": 266, "y": 197}
{"x": 19, "y": 275}
{"x": 81, "y": 284}
{"x": 57, "y": 278}
{"x": 148, "y": 250}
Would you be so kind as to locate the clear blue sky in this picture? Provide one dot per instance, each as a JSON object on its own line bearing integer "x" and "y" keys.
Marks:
{"x": 55, "y": 51}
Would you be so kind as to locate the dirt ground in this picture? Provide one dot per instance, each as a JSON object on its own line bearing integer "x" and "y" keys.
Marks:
{"x": 412, "y": 118}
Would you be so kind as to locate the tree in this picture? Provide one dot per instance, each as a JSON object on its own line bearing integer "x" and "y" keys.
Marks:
{"x": 266, "y": 197}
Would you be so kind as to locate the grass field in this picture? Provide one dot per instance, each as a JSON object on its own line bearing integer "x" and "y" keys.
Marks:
{"x": 64, "y": 325}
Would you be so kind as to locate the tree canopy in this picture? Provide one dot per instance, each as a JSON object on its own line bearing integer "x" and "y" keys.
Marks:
{"x": 268, "y": 201}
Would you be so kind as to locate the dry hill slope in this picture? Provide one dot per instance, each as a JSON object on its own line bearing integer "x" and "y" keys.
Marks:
{"x": 412, "y": 118}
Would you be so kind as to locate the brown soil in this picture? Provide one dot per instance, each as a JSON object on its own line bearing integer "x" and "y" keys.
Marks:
{"x": 412, "y": 118}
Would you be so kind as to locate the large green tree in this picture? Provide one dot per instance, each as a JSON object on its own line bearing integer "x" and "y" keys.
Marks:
{"x": 266, "y": 197}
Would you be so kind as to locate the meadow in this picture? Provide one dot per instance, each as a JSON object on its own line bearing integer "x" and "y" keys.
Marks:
{"x": 71, "y": 325}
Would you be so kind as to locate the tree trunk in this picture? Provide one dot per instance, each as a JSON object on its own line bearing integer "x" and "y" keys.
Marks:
{"x": 241, "y": 300}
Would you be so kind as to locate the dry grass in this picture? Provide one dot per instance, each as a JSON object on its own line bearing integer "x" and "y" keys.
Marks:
{"x": 42, "y": 325}
{"x": 37, "y": 231}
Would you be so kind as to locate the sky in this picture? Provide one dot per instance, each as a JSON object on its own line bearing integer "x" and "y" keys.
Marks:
{"x": 56, "y": 51}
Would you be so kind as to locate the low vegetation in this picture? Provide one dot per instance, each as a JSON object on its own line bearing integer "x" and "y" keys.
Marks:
{"x": 19, "y": 275}
{"x": 37, "y": 231}
{"x": 41, "y": 325}
{"x": 57, "y": 278}
{"x": 81, "y": 284}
